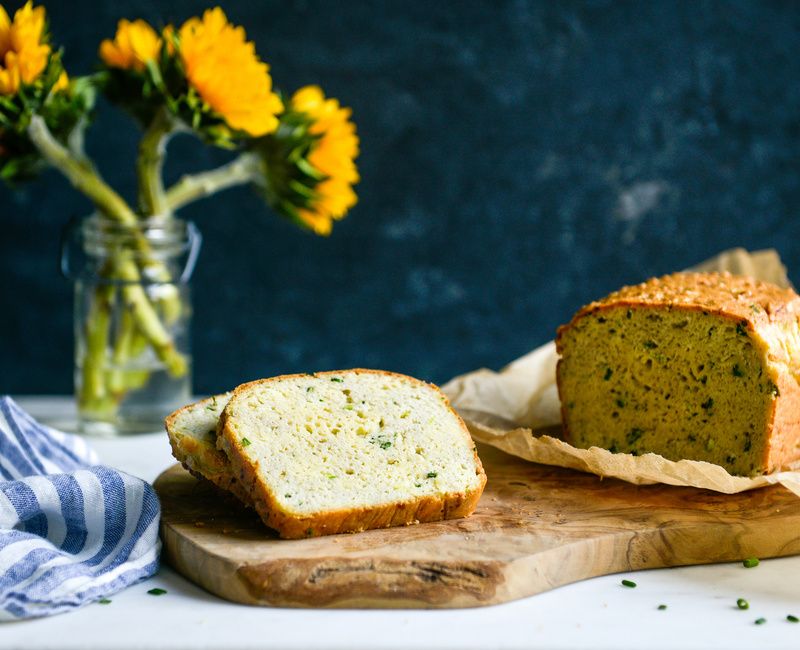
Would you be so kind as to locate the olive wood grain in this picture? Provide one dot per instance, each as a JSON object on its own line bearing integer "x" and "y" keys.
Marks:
{"x": 536, "y": 528}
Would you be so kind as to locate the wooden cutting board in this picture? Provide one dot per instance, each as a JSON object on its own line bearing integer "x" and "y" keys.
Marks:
{"x": 536, "y": 528}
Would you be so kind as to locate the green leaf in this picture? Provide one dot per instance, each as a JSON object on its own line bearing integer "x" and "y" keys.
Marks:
{"x": 307, "y": 168}
{"x": 154, "y": 73}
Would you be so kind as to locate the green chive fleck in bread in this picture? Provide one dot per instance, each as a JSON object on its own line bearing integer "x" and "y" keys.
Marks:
{"x": 349, "y": 450}
{"x": 192, "y": 434}
{"x": 700, "y": 366}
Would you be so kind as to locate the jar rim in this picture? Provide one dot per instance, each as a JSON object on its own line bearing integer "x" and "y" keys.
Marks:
{"x": 168, "y": 234}
{"x": 88, "y": 243}
{"x": 162, "y": 223}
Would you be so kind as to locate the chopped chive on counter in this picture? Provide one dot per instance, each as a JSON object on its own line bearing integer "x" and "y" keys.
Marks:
{"x": 741, "y": 603}
{"x": 245, "y": 442}
{"x": 760, "y": 621}
{"x": 661, "y": 608}
{"x": 156, "y": 591}
{"x": 104, "y": 601}
{"x": 750, "y": 562}
{"x": 628, "y": 583}
{"x": 792, "y": 618}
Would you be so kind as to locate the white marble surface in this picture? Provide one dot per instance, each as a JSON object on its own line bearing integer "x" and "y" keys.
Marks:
{"x": 597, "y": 613}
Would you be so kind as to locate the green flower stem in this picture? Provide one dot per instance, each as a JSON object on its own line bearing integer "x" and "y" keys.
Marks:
{"x": 146, "y": 317}
{"x": 129, "y": 344}
{"x": 94, "y": 396}
{"x": 86, "y": 179}
{"x": 95, "y": 392}
{"x": 80, "y": 173}
{"x": 241, "y": 170}
{"x": 152, "y": 151}
{"x": 152, "y": 196}
{"x": 135, "y": 379}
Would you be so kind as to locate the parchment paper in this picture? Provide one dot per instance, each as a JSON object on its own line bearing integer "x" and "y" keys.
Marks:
{"x": 517, "y": 410}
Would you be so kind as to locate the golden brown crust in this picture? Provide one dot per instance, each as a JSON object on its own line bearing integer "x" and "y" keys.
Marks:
{"x": 187, "y": 450}
{"x": 291, "y": 526}
{"x": 734, "y": 296}
{"x": 184, "y": 447}
{"x": 770, "y": 316}
{"x": 722, "y": 294}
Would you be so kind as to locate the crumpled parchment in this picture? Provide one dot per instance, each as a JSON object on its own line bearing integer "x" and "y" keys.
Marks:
{"x": 517, "y": 410}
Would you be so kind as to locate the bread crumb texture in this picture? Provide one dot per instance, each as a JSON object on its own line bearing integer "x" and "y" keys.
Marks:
{"x": 192, "y": 432}
{"x": 688, "y": 366}
{"x": 355, "y": 445}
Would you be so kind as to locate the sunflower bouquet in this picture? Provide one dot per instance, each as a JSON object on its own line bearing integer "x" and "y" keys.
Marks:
{"x": 202, "y": 78}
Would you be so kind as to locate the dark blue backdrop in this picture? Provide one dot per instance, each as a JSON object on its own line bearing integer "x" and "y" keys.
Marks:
{"x": 519, "y": 159}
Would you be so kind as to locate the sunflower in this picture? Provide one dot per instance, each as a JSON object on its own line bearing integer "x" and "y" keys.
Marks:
{"x": 333, "y": 153}
{"x": 225, "y": 71}
{"x": 134, "y": 45}
{"x": 23, "y": 51}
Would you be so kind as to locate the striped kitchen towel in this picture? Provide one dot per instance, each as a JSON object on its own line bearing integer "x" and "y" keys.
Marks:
{"x": 71, "y": 531}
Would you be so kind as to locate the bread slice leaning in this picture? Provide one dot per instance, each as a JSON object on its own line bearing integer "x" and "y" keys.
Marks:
{"x": 192, "y": 432}
{"x": 346, "y": 451}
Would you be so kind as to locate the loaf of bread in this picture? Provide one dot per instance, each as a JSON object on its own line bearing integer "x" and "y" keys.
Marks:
{"x": 700, "y": 366}
{"x": 350, "y": 450}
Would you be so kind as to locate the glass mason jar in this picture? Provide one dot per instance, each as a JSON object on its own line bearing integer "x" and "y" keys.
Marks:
{"x": 133, "y": 363}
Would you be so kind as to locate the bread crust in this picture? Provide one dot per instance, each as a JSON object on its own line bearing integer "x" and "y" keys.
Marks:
{"x": 351, "y": 520}
{"x": 770, "y": 315}
{"x": 209, "y": 464}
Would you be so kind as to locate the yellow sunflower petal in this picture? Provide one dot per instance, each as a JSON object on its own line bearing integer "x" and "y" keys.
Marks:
{"x": 320, "y": 223}
{"x": 32, "y": 62}
{"x": 333, "y": 154}
{"x": 5, "y": 32}
{"x": 28, "y": 27}
{"x": 62, "y": 83}
{"x": 134, "y": 45}
{"x": 224, "y": 69}
{"x": 111, "y": 54}
{"x": 9, "y": 76}
{"x": 168, "y": 37}
{"x": 24, "y": 52}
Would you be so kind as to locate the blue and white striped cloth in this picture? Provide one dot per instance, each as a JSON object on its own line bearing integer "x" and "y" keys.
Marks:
{"x": 71, "y": 531}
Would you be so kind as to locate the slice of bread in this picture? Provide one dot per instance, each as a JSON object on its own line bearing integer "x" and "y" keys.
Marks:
{"x": 192, "y": 432}
{"x": 349, "y": 450}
